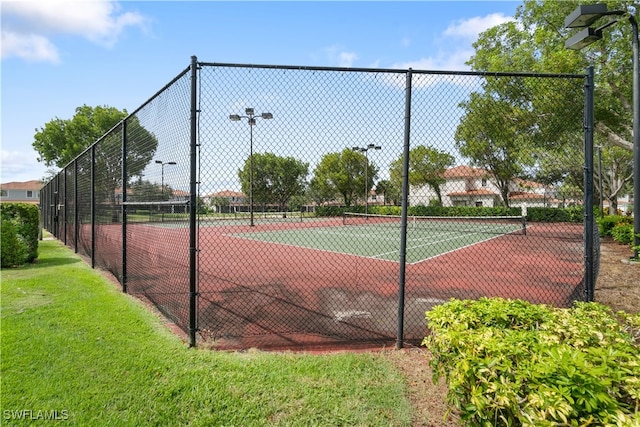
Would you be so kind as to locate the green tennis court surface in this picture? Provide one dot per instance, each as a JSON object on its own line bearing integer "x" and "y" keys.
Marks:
{"x": 380, "y": 237}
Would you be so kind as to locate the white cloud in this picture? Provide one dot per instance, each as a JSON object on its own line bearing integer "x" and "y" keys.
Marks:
{"x": 337, "y": 55}
{"x": 30, "y": 47}
{"x": 20, "y": 166}
{"x": 452, "y": 54}
{"x": 470, "y": 28}
{"x": 28, "y": 26}
{"x": 347, "y": 59}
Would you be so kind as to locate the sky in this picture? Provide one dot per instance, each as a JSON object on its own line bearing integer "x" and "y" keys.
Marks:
{"x": 60, "y": 55}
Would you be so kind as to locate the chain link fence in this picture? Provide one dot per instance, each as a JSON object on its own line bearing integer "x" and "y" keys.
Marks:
{"x": 295, "y": 207}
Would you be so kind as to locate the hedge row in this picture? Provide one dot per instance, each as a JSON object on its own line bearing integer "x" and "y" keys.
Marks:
{"x": 572, "y": 214}
{"x": 20, "y": 231}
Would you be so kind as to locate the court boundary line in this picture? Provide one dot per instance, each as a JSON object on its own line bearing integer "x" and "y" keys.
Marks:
{"x": 374, "y": 257}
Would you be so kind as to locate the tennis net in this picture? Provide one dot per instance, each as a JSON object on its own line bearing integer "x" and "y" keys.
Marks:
{"x": 495, "y": 225}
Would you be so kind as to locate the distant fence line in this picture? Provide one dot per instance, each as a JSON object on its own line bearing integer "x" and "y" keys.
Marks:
{"x": 147, "y": 200}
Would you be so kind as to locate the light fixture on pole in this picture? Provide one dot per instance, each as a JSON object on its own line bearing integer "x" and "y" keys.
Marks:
{"x": 583, "y": 17}
{"x": 163, "y": 164}
{"x": 365, "y": 150}
{"x": 251, "y": 119}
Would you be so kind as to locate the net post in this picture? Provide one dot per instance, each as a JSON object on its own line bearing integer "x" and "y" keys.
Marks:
{"x": 524, "y": 225}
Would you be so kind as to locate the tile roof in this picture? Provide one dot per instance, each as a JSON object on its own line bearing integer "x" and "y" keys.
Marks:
{"x": 464, "y": 171}
{"x": 481, "y": 192}
{"x": 26, "y": 185}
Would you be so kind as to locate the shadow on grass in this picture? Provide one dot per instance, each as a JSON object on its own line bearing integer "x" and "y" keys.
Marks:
{"x": 46, "y": 262}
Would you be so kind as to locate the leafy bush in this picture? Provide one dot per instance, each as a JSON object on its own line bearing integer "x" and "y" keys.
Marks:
{"x": 435, "y": 210}
{"x": 13, "y": 248}
{"x": 607, "y": 223}
{"x": 24, "y": 219}
{"x": 386, "y": 210}
{"x": 570, "y": 214}
{"x": 623, "y": 233}
{"x": 510, "y": 363}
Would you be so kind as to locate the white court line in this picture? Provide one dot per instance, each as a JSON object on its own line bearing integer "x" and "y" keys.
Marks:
{"x": 381, "y": 255}
{"x": 453, "y": 250}
{"x": 307, "y": 247}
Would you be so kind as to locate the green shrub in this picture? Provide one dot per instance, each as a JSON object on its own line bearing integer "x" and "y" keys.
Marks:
{"x": 25, "y": 218}
{"x": 386, "y": 210}
{"x": 623, "y": 233}
{"x": 570, "y": 214}
{"x": 511, "y": 363}
{"x": 13, "y": 247}
{"x": 607, "y": 223}
{"x": 436, "y": 210}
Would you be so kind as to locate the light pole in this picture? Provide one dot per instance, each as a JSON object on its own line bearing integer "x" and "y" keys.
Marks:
{"x": 583, "y": 17}
{"x": 365, "y": 150}
{"x": 163, "y": 164}
{"x": 251, "y": 118}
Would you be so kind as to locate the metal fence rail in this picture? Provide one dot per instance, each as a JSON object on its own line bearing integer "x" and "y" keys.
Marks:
{"x": 221, "y": 200}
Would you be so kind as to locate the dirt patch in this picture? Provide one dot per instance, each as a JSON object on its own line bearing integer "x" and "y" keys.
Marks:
{"x": 618, "y": 286}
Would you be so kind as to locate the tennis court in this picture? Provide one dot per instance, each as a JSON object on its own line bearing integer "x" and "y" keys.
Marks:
{"x": 378, "y": 236}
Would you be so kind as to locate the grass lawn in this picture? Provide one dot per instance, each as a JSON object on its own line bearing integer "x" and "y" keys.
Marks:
{"x": 75, "y": 348}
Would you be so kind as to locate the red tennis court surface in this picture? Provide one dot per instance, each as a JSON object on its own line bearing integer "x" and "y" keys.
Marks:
{"x": 266, "y": 295}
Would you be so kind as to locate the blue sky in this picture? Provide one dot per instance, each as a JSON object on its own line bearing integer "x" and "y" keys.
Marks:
{"x": 59, "y": 55}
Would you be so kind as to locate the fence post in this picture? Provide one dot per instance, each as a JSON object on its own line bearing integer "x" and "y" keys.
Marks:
{"x": 405, "y": 203}
{"x": 588, "y": 186}
{"x": 93, "y": 206}
{"x": 76, "y": 222}
{"x": 123, "y": 206}
{"x": 192, "y": 205}
{"x": 64, "y": 201}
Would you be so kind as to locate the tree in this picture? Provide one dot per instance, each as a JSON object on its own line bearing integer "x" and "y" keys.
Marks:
{"x": 496, "y": 136}
{"x": 390, "y": 192}
{"x": 220, "y": 203}
{"x": 343, "y": 174}
{"x": 617, "y": 172}
{"x": 275, "y": 179}
{"x": 146, "y": 191}
{"x": 535, "y": 43}
{"x": 61, "y": 141}
{"x": 426, "y": 167}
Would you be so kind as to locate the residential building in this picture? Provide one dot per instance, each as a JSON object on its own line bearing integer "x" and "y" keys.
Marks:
{"x": 468, "y": 186}
{"x": 26, "y": 192}
{"x": 234, "y": 201}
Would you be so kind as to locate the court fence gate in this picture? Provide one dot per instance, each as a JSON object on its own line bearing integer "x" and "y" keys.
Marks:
{"x": 308, "y": 207}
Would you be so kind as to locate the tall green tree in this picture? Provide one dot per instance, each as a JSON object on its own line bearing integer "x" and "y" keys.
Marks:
{"x": 496, "y": 135}
{"x": 343, "y": 174}
{"x": 275, "y": 179}
{"x": 426, "y": 167}
{"x": 535, "y": 42}
{"x": 61, "y": 141}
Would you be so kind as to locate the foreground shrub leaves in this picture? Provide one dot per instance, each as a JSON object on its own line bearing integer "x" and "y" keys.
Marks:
{"x": 513, "y": 363}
